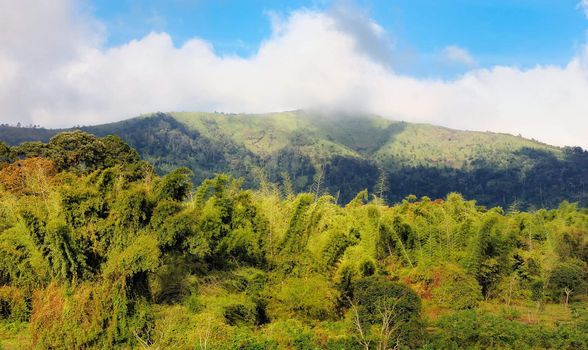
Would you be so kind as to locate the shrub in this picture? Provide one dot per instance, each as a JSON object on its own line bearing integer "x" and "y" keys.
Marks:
{"x": 305, "y": 298}
{"x": 13, "y": 304}
{"x": 391, "y": 306}
{"x": 238, "y": 315}
{"x": 570, "y": 274}
{"x": 457, "y": 290}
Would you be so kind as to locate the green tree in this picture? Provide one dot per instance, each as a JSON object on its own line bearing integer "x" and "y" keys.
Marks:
{"x": 386, "y": 313}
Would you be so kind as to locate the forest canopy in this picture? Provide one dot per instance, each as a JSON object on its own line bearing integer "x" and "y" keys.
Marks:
{"x": 98, "y": 251}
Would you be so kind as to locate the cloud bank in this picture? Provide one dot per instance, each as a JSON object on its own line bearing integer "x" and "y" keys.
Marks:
{"x": 54, "y": 71}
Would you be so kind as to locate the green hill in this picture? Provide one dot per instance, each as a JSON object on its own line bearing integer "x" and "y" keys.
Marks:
{"x": 397, "y": 143}
{"x": 352, "y": 153}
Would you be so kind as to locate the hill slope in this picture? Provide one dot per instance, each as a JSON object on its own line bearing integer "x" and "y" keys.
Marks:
{"x": 352, "y": 153}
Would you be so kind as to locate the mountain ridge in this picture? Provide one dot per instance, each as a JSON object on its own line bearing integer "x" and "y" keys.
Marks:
{"x": 352, "y": 152}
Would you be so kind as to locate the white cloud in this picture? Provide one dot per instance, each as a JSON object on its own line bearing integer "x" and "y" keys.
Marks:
{"x": 583, "y": 4}
{"x": 313, "y": 60}
{"x": 456, "y": 54}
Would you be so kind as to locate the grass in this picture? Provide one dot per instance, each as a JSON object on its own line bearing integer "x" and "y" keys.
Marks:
{"x": 266, "y": 134}
{"x": 14, "y": 335}
{"x": 532, "y": 313}
{"x": 372, "y": 137}
{"x": 422, "y": 144}
{"x": 526, "y": 312}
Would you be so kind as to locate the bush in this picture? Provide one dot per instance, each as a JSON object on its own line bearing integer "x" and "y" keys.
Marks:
{"x": 289, "y": 334}
{"x": 13, "y": 304}
{"x": 570, "y": 274}
{"x": 476, "y": 330}
{"x": 238, "y": 315}
{"x": 457, "y": 290}
{"x": 192, "y": 303}
{"x": 310, "y": 298}
{"x": 375, "y": 297}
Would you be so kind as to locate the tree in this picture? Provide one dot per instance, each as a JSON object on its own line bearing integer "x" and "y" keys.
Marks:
{"x": 488, "y": 252}
{"x": 77, "y": 151}
{"x": 457, "y": 289}
{"x": 118, "y": 152}
{"x": 175, "y": 186}
{"x": 6, "y": 155}
{"x": 567, "y": 277}
{"x": 394, "y": 309}
{"x": 31, "y": 149}
{"x": 382, "y": 185}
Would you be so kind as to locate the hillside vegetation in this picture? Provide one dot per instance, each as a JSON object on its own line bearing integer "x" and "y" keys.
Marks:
{"x": 99, "y": 252}
{"x": 350, "y": 154}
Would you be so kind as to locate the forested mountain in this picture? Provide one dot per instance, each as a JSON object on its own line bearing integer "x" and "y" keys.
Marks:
{"x": 347, "y": 154}
{"x": 99, "y": 252}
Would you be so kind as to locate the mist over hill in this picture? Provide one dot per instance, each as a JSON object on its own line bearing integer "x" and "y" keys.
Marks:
{"x": 348, "y": 154}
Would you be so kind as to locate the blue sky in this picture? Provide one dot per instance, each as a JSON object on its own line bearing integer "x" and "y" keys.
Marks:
{"x": 522, "y": 33}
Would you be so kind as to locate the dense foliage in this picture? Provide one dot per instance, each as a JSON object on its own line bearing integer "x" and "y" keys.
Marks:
{"x": 97, "y": 251}
{"x": 350, "y": 154}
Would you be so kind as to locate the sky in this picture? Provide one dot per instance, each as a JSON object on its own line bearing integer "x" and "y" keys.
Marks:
{"x": 518, "y": 66}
